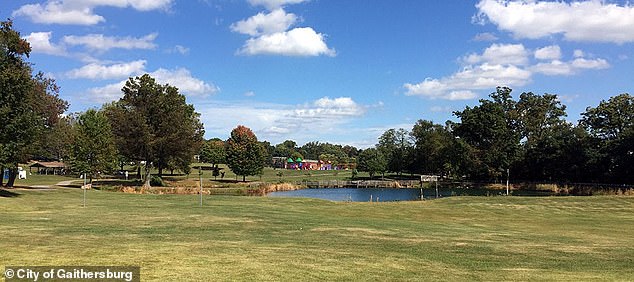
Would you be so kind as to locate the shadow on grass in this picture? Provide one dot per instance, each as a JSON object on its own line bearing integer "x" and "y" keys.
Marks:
{"x": 8, "y": 194}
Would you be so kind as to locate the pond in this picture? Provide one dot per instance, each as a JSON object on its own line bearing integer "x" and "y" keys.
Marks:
{"x": 353, "y": 194}
{"x": 390, "y": 194}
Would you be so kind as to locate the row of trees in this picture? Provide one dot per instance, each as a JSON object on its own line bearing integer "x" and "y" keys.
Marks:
{"x": 529, "y": 138}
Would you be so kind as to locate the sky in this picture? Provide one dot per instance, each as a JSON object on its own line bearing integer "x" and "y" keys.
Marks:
{"x": 341, "y": 72}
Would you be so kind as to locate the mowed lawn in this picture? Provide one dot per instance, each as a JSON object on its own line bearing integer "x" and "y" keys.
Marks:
{"x": 258, "y": 238}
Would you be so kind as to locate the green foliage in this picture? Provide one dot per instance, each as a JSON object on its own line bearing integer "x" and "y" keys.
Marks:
{"x": 157, "y": 181}
{"x": 213, "y": 151}
{"x": 28, "y": 104}
{"x": 611, "y": 132}
{"x": 94, "y": 150}
{"x": 396, "y": 147}
{"x": 153, "y": 123}
{"x": 372, "y": 161}
{"x": 245, "y": 156}
{"x": 491, "y": 130}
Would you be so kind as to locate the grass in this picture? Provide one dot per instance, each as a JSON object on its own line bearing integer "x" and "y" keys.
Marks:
{"x": 40, "y": 179}
{"x": 260, "y": 238}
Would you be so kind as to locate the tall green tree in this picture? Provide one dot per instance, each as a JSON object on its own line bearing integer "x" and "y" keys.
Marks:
{"x": 396, "y": 146}
{"x": 213, "y": 152}
{"x": 28, "y": 104}
{"x": 94, "y": 150}
{"x": 373, "y": 161}
{"x": 432, "y": 143}
{"x": 491, "y": 129}
{"x": 245, "y": 156}
{"x": 154, "y": 124}
{"x": 611, "y": 128}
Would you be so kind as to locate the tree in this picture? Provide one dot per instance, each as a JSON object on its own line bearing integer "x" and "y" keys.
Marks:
{"x": 396, "y": 146}
{"x": 213, "y": 152}
{"x": 94, "y": 150}
{"x": 245, "y": 156}
{"x": 57, "y": 141}
{"x": 154, "y": 124}
{"x": 491, "y": 130}
{"x": 372, "y": 161}
{"x": 431, "y": 145}
{"x": 549, "y": 147}
{"x": 611, "y": 129}
{"x": 28, "y": 104}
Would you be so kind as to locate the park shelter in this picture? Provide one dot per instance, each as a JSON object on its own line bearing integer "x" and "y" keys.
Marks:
{"x": 48, "y": 167}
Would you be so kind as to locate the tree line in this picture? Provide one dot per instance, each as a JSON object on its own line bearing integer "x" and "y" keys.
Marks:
{"x": 528, "y": 138}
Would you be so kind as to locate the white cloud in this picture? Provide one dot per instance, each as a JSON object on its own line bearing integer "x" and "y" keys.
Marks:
{"x": 186, "y": 83}
{"x": 273, "y": 22}
{"x": 81, "y": 12}
{"x": 274, "y": 4}
{"x": 557, "y": 67}
{"x": 501, "y": 54}
{"x": 500, "y": 65}
{"x": 181, "y": 49}
{"x": 589, "y": 21}
{"x": 249, "y": 94}
{"x": 41, "y": 43}
{"x": 552, "y": 52}
{"x": 275, "y": 121}
{"x": 114, "y": 71}
{"x": 101, "y": 42}
{"x": 330, "y": 108}
{"x": 296, "y": 42}
{"x": 180, "y": 78}
{"x": 459, "y": 86}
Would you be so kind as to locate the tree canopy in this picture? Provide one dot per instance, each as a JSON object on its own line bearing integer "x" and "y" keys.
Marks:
{"x": 245, "y": 156}
{"x": 153, "y": 123}
{"x": 29, "y": 105}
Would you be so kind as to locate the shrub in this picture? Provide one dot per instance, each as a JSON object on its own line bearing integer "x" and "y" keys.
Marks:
{"x": 156, "y": 181}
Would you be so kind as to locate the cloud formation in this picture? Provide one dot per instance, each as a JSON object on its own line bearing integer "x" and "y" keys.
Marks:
{"x": 585, "y": 21}
{"x": 302, "y": 41}
{"x": 275, "y": 121}
{"x": 41, "y": 43}
{"x": 501, "y": 65}
{"x": 100, "y": 42}
{"x": 276, "y": 21}
{"x": 97, "y": 71}
{"x": 179, "y": 77}
{"x": 272, "y": 33}
{"x": 81, "y": 12}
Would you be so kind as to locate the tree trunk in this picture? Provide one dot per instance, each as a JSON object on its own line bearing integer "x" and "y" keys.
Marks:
{"x": 1, "y": 176}
{"x": 160, "y": 171}
{"x": 148, "y": 168}
{"x": 13, "y": 173}
{"x": 138, "y": 170}
{"x": 244, "y": 178}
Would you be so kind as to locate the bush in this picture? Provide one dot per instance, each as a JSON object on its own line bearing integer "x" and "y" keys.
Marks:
{"x": 156, "y": 181}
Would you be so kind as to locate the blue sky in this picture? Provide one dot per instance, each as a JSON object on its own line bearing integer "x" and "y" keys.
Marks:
{"x": 331, "y": 71}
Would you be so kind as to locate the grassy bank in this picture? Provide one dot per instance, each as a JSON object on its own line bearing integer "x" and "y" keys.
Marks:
{"x": 260, "y": 238}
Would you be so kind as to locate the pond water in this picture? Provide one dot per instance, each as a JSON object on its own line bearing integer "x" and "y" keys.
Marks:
{"x": 390, "y": 194}
{"x": 353, "y": 194}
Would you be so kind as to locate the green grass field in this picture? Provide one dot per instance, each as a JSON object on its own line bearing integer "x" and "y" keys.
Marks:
{"x": 258, "y": 238}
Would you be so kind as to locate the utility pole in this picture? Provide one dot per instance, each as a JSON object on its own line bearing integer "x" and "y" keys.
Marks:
{"x": 200, "y": 179}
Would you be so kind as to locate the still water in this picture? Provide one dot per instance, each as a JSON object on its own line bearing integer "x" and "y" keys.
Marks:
{"x": 353, "y": 194}
{"x": 391, "y": 194}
